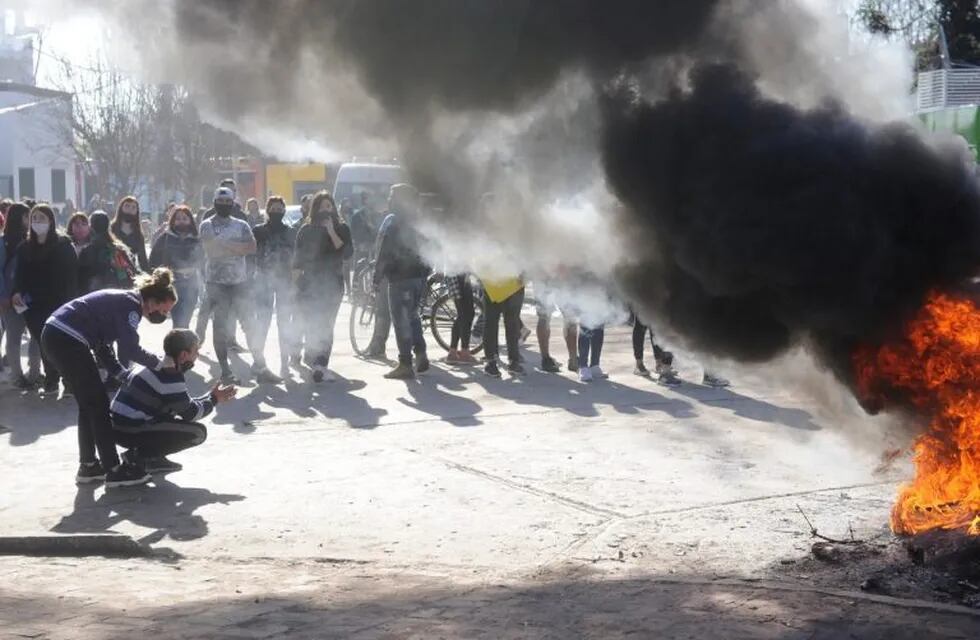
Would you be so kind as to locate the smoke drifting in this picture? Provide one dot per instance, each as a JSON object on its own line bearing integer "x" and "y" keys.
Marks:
{"x": 770, "y": 224}
{"x": 752, "y": 213}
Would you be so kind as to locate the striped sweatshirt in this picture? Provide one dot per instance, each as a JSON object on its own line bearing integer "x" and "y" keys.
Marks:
{"x": 155, "y": 395}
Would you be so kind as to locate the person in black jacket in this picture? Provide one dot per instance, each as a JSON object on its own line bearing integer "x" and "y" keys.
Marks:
{"x": 179, "y": 249}
{"x": 275, "y": 242}
{"x": 105, "y": 263}
{"x": 14, "y": 235}
{"x": 322, "y": 245}
{"x": 400, "y": 263}
{"x": 47, "y": 277}
{"x": 127, "y": 229}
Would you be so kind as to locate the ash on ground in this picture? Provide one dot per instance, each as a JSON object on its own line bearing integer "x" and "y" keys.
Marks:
{"x": 940, "y": 566}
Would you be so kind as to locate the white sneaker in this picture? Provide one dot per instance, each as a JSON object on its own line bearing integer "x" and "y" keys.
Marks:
{"x": 585, "y": 374}
{"x": 598, "y": 373}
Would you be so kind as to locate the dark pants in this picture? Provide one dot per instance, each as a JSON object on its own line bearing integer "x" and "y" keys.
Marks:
{"x": 640, "y": 331}
{"x": 231, "y": 301}
{"x": 590, "y": 345}
{"x": 188, "y": 290}
{"x": 510, "y": 309}
{"x": 35, "y": 318}
{"x": 465, "y": 311}
{"x": 405, "y": 300}
{"x": 274, "y": 293}
{"x": 321, "y": 302}
{"x": 161, "y": 438}
{"x": 382, "y": 319}
{"x": 77, "y": 364}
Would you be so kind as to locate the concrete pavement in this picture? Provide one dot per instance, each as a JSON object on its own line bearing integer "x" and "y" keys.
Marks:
{"x": 462, "y": 506}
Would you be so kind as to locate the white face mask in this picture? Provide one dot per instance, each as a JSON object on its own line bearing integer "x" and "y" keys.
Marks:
{"x": 40, "y": 228}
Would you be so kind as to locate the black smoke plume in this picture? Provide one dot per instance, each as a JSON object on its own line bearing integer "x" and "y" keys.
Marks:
{"x": 767, "y": 225}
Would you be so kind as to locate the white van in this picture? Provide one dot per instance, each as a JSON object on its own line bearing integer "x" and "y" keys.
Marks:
{"x": 355, "y": 178}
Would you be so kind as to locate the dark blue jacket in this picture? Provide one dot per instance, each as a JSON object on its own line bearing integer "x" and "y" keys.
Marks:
{"x": 103, "y": 318}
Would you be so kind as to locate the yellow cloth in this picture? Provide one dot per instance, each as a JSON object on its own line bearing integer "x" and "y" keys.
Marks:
{"x": 500, "y": 290}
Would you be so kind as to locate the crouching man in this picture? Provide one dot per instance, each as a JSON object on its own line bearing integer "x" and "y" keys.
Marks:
{"x": 154, "y": 416}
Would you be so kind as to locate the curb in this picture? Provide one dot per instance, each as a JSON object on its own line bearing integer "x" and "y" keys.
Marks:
{"x": 75, "y": 546}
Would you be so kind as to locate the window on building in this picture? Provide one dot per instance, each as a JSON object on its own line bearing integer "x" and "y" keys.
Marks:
{"x": 25, "y": 181}
{"x": 57, "y": 185}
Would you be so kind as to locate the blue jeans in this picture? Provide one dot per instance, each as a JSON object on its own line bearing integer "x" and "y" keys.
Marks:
{"x": 188, "y": 290}
{"x": 590, "y": 346}
{"x": 404, "y": 301}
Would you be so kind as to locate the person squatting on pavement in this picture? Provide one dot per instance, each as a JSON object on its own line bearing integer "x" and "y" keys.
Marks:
{"x": 154, "y": 416}
{"x": 400, "y": 264}
{"x": 275, "y": 241}
{"x": 322, "y": 245}
{"x": 78, "y": 338}
{"x": 227, "y": 241}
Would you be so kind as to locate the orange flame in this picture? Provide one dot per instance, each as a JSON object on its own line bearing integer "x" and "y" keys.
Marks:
{"x": 936, "y": 367}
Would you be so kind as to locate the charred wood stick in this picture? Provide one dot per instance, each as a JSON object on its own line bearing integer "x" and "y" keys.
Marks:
{"x": 816, "y": 534}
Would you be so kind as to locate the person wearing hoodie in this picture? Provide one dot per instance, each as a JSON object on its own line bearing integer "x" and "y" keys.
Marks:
{"x": 105, "y": 263}
{"x": 14, "y": 235}
{"x": 47, "y": 277}
{"x": 275, "y": 242}
{"x": 127, "y": 229}
{"x": 179, "y": 249}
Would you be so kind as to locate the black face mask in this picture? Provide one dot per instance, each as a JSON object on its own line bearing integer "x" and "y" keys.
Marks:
{"x": 156, "y": 317}
{"x": 223, "y": 210}
{"x": 276, "y": 216}
{"x": 186, "y": 366}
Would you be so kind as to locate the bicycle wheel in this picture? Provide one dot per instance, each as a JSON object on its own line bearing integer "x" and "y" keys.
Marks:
{"x": 362, "y": 319}
{"x": 441, "y": 323}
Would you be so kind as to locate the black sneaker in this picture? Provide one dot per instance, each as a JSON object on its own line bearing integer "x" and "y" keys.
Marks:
{"x": 24, "y": 384}
{"x": 89, "y": 472}
{"x": 421, "y": 363}
{"x": 318, "y": 375}
{"x": 515, "y": 368}
{"x": 161, "y": 464}
{"x": 491, "y": 369}
{"x": 550, "y": 365}
{"x": 573, "y": 365}
{"x": 51, "y": 387}
{"x": 126, "y": 474}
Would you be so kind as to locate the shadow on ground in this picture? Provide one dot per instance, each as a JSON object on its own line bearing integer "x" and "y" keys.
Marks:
{"x": 164, "y": 507}
{"x": 361, "y": 606}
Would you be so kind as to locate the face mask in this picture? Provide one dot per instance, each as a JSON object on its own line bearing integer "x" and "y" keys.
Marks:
{"x": 276, "y": 216}
{"x": 183, "y": 228}
{"x": 186, "y": 366}
{"x": 40, "y": 228}
{"x": 223, "y": 210}
{"x": 157, "y": 317}
{"x": 126, "y": 228}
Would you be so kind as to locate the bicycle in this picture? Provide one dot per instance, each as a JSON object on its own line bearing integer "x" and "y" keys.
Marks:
{"x": 363, "y": 301}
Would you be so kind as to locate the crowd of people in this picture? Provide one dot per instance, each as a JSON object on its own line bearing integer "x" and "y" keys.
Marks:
{"x": 80, "y": 288}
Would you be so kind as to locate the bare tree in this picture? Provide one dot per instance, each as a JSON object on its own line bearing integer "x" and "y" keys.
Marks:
{"x": 914, "y": 21}
{"x": 111, "y": 128}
